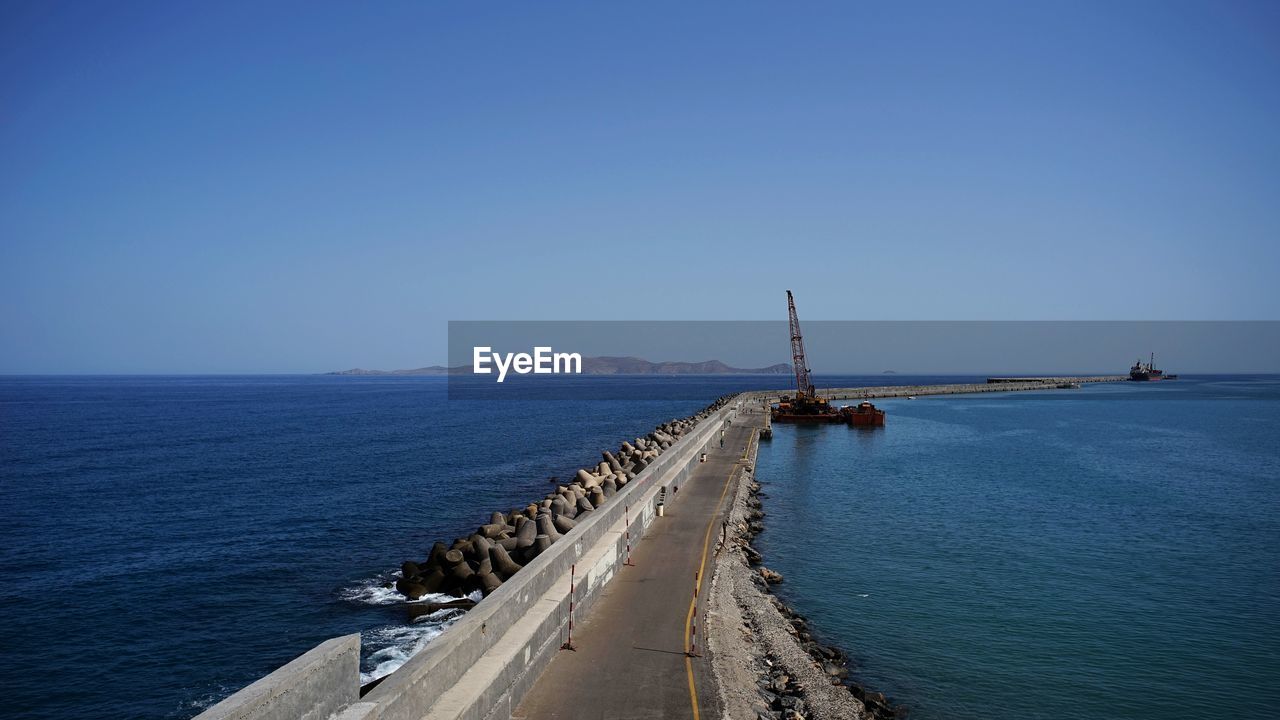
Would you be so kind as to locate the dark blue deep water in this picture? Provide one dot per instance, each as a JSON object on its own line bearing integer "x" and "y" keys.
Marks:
{"x": 165, "y": 541}
{"x": 1109, "y": 552}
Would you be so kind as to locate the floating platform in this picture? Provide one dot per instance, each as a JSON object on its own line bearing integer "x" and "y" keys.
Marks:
{"x": 864, "y": 414}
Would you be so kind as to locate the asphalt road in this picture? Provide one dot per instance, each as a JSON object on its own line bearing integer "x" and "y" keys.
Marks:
{"x": 631, "y": 659}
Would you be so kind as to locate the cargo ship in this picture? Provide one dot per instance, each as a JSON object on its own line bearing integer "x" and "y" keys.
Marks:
{"x": 1147, "y": 372}
{"x": 864, "y": 414}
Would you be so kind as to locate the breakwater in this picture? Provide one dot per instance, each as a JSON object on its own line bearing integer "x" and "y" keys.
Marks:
{"x": 870, "y": 392}
{"x": 783, "y": 671}
{"x": 500, "y": 548}
{"x": 482, "y": 664}
{"x": 1011, "y": 385}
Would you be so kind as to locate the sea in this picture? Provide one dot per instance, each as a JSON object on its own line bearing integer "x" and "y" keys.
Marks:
{"x": 1111, "y": 551}
{"x": 1107, "y": 552}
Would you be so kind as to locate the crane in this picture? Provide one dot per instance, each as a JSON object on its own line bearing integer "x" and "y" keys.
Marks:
{"x": 804, "y": 388}
{"x": 806, "y": 406}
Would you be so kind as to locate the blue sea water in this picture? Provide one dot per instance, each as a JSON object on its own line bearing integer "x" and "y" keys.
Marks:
{"x": 1109, "y": 552}
{"x": 167, "y": 540}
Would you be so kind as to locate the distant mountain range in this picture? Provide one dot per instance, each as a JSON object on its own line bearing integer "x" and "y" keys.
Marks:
{"x": 604, "y": 366}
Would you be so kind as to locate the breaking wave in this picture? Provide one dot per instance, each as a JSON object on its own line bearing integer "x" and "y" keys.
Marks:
{"x": 388, "y": 647}
{"x": 391, "y": 646}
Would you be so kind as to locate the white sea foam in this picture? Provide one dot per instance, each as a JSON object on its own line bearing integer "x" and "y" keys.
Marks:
{"x": 393, "y": 645}
{"x": 398, "y": 644}
{"x": 195, "y": 706}
{"x": 374, "y": 592}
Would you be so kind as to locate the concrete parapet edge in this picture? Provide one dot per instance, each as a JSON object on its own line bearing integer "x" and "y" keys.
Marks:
{"x": 317, "y": 684}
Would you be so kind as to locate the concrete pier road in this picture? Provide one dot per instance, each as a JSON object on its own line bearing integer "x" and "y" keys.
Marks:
{"x": 631, "y": 660}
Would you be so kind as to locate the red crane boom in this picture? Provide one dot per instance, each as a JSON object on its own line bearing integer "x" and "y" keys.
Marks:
{"x": 804, "y": 388}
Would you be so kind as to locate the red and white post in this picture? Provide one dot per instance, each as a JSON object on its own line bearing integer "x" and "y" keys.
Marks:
{"x": 693, "y": 634}
{"x": 626, "y": 518}
{"x": 568, "y": 644}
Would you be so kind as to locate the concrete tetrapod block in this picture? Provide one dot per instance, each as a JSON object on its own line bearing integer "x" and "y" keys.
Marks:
{"x": 479, "y": 547}
{"x": 548, "y": 528}
{"x": 462, "y": 571}
{"x": 559, "y": 506}
{"x": 541, "y": 542}
{"x": 571, "y": 503}
{"x": 489, "y": 582}
{"x": 436, "y": 557}
{"x": 410, "y": 588}
{"x": 525, "y": 533}
{"x": 612, "y": 461}
{"x": 433, "y": 580}
{"x": 563, "y": 524}
{"x": 502, "y": 562}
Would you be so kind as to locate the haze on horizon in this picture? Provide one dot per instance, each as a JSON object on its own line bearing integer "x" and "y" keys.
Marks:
{"x": 305, "y": 187}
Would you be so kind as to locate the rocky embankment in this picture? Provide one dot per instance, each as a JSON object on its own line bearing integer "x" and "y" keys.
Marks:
{"x": 767, "y": 663}
{"x": 509, "y": 540}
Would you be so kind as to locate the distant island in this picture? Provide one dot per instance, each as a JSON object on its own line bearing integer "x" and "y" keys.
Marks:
{"x": 604, "y": 366}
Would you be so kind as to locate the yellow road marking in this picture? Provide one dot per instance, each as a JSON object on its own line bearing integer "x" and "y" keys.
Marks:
{"x": 706, "y": 542}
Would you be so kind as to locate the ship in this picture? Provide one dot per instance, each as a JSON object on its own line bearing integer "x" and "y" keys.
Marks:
{"x": 864, "y": 414}
{"x": 1147, "y": 372}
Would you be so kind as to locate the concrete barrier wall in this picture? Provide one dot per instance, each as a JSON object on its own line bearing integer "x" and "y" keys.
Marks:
{"x": 531, "y": 607}
{"x": 313, "y": 686}
{"x": 413, "y": 690}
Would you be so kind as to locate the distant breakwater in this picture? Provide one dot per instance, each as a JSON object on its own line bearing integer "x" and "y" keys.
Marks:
{"x": 993, "y": 385}
{"x": 1002, "y": 385}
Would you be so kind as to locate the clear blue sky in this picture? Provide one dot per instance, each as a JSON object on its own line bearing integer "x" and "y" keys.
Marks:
{"x": 243, "y": 187}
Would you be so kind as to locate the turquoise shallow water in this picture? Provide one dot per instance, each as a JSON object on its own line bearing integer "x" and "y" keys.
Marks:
{"x": 1108, "y": 552}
